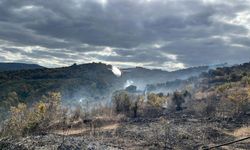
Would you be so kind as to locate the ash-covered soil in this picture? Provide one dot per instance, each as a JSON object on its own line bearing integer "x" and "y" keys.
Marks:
{"x": 52, "y": 142}
{"x": 180, "y": 132}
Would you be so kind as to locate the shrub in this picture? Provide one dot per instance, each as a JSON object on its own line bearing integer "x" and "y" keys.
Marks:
{"x": 77, "y": 113}
{"x": 246, "y": 80}
{"x": 121, "y": 101}
{"x": 11, "y": 99}
{"x": 222, "y": 88}
{"x": 234, "y": 102}
{"x": 24, "y": 120}
{"x": 17, "y": 121}
{"x": 204, "y": 107}
{"x": 241, "y": 99}
{"x": 136, "y": 105}
{"x": 178, "y": 99}
{"x": 53, "y": 103}
{"x": 225, "y": 108}
{"x": 156, "y": 100}
{"x": 126, "y": 103}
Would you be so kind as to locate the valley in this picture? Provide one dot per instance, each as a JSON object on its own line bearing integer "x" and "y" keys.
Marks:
{"x": 199, "y": 112}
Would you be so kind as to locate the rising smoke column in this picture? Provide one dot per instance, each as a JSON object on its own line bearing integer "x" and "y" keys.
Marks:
{"x": 117, "y": 72}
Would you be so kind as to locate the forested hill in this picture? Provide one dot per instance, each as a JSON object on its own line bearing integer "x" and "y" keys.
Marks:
{"x": 92, "y": 82}
{"x": 141, "y": 77}
{"x": 18, "y": 66}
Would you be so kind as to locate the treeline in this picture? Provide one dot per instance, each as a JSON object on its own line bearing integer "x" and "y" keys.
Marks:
{"x": 150, "y": 105}
{"x": 49, "y": 113}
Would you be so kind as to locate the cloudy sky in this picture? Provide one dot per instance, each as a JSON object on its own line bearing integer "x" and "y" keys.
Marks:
{"x": 167, "y": 34}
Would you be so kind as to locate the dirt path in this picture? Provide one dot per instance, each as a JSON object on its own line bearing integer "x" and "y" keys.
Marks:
{"x": 82, "y": 130}
{"x": 242, "y": 132}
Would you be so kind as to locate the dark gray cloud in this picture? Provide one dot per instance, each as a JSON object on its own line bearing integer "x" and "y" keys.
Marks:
{"x": 165, "y": 34}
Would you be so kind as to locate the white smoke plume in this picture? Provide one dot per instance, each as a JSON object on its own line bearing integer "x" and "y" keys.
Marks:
{"x": 116, "y": 71}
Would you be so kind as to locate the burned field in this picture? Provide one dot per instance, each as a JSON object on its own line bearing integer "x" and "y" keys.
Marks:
{"x": 175, "y": 131}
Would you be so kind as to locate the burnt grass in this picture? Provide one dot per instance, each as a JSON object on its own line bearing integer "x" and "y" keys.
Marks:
{"x": 175, "y": 131}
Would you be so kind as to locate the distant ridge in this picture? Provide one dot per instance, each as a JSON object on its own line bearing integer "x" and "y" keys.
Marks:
{"x": 18, "y": 66}
{"x": 92, "y": 81}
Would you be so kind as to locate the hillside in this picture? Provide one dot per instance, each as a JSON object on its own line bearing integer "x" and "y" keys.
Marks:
{"x": 18, "y": 66}
{"x": 141, "y": 77}
{"x": 90, "y": 80}
{"x": 94, "y": 81}
{"x": 206, "y": 111}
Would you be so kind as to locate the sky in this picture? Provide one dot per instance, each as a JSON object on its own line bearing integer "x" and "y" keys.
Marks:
{"x": 162, "y": 34}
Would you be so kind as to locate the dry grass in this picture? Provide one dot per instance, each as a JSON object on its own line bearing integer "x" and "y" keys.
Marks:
{"x": 242, "y": 132}
{"x": 83, "y": 130}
